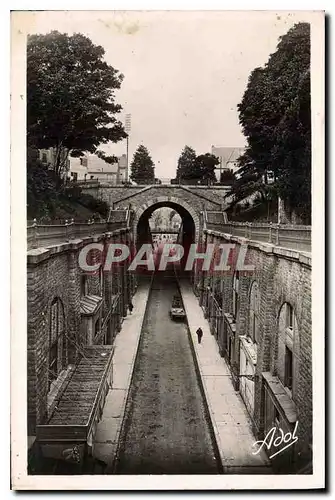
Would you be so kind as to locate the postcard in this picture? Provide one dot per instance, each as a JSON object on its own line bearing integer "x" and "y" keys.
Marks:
{"x": 167, "y": 198}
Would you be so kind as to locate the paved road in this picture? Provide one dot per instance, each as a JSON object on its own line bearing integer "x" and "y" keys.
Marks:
{"x": 165, "y": 429}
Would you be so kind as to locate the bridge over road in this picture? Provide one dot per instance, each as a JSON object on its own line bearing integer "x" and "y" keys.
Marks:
{"x": 210, "y": 197}
{"x": 188, "y": 201}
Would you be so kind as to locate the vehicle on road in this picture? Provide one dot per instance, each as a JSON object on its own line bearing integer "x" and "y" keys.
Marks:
{"x": 177, "y": 310}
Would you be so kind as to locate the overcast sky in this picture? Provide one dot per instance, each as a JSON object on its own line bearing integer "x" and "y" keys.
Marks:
{"x": 184, "y": 72}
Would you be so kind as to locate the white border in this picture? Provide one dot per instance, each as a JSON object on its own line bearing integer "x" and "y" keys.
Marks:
{"x": 18, "y": 293}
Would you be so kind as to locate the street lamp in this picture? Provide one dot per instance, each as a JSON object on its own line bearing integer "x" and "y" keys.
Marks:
{"x": 127, "y": 129}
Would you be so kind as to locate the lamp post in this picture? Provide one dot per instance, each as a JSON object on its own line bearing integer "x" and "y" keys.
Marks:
{"x": 127, "y": 129}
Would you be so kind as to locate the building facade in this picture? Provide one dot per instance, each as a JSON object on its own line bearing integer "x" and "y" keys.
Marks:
{"x": 228, "y": 159}
{"x": 261, "y": 320}
{"x": 73, "y": 318}
{"x": 89, "y": 167}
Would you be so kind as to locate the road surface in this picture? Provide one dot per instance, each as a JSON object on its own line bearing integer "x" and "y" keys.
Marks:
{"x": 166, "y": 430}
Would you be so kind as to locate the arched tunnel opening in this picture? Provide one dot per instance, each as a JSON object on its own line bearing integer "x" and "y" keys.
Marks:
{"x": 186, "y": 233}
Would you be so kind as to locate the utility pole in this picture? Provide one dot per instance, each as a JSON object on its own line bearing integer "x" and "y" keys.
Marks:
{"x": 127, "y": 129}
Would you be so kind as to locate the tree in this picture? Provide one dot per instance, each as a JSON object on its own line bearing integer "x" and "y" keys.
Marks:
{"x": 70, "y": 96}
{"x": 142, "y": 167}
{"x": 186, "y": 163}
{"x": 195, "y": 168}
{"x": 173, "y": 213}
{"x": 275, "y": 118}
{"x": 227, "y": 177}
{"x": 204, "y": 168}
{"x": 156, "y": 220}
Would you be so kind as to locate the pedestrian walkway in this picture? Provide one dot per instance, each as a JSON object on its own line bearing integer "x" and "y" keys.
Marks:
{"x": 126, "y": 343}
{"x": 230, "y": 420}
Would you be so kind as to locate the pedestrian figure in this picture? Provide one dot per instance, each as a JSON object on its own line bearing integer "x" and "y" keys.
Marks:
{"x": 200, "y": 333}
{"x": 130, "y": 307}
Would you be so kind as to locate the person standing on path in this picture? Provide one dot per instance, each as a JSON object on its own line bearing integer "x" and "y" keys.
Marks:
{"x": 199, "y": 333}
{"x": 130, "y": 307}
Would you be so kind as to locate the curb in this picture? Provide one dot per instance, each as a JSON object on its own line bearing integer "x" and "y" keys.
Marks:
{"x": 226, "y": 469}
{"x": 126, "y": 401}
{"x": 207, "y": 406}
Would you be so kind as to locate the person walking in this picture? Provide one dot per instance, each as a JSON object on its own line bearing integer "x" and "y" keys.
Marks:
{"x": 130, "y": 307}
{"x": 199, "y": 333}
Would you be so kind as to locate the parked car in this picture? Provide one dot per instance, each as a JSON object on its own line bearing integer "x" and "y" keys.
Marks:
{"x": 177, "y": 310}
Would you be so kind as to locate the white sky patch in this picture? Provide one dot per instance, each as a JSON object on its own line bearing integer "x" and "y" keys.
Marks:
{"x": 185, "y": 72}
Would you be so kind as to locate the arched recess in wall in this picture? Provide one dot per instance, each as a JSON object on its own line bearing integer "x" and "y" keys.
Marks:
{"x": 254, "y": 313}
{"x": 236, "y": 292}
{"x": 287, "y": 347}
{"x": 57, "y": 360}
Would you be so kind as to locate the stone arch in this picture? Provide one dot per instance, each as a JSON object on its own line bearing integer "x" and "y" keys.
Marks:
{"x": 57, "y": 339}
{"x": 167, "y": 200}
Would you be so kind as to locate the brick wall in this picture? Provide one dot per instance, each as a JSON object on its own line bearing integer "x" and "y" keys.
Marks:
{"x": 55, "y": 274}
{"x": 45, "y": 282}
{"x": 283, "y": 276}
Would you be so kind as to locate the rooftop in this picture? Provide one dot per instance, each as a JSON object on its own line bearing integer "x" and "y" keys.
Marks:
{"x": 75, "y": 410}
{"x": 228, "y": 154}
{"x": 89, "y": 304}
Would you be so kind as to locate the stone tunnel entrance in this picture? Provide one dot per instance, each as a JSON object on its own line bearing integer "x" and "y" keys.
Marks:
{"x": 188, "y": 228}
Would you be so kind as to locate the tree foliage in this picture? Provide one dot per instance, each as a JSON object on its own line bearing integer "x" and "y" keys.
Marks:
{"x": 70, "y": 96}
{"x": 111, "y": 159}
{"x": 227, "y": 177}
{"x": 173, "y": 213}
{"x": 142, "y": 167}
{"x": 186, "y": 163}
{"x": 204, "y": 168}
{"x": 49, "y": 198}
{"x": 196, "y": 168}
{"x": 275, "y": 118}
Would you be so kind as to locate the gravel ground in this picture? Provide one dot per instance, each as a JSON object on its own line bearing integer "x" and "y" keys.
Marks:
{"x": 165, "y": 429}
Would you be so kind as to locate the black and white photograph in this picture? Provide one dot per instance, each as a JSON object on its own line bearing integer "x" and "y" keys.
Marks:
{"x": 170, "y": 183}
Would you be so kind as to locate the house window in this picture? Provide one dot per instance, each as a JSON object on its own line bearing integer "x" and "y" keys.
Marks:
{"x": 57, "y": 340}
{"x": 44, "y": 158}
{"x": 236, "y": 280}
{"x": 254, "y": 312}
{"x": 288, "y": 368}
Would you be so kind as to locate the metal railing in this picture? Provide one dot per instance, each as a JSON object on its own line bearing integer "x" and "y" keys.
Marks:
{"x": 46, "y": 235}
{"x": 294, "y": 237}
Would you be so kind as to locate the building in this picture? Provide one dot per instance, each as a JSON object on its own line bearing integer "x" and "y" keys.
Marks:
{"x": 101, "y": 170}
{"x": 228, "y": 158}
{"x": 92, "y": 167}
{"x": 89, "y": 166}
{"x": 47, "y": 157}
{"x": 261, "y": 321}
{"x": 122, "y": 169}
{"x": 78, "y": 168}
{"x": 73, "y": 319}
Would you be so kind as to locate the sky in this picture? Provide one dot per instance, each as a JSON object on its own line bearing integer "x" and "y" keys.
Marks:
{"x": 184, "y": 72}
